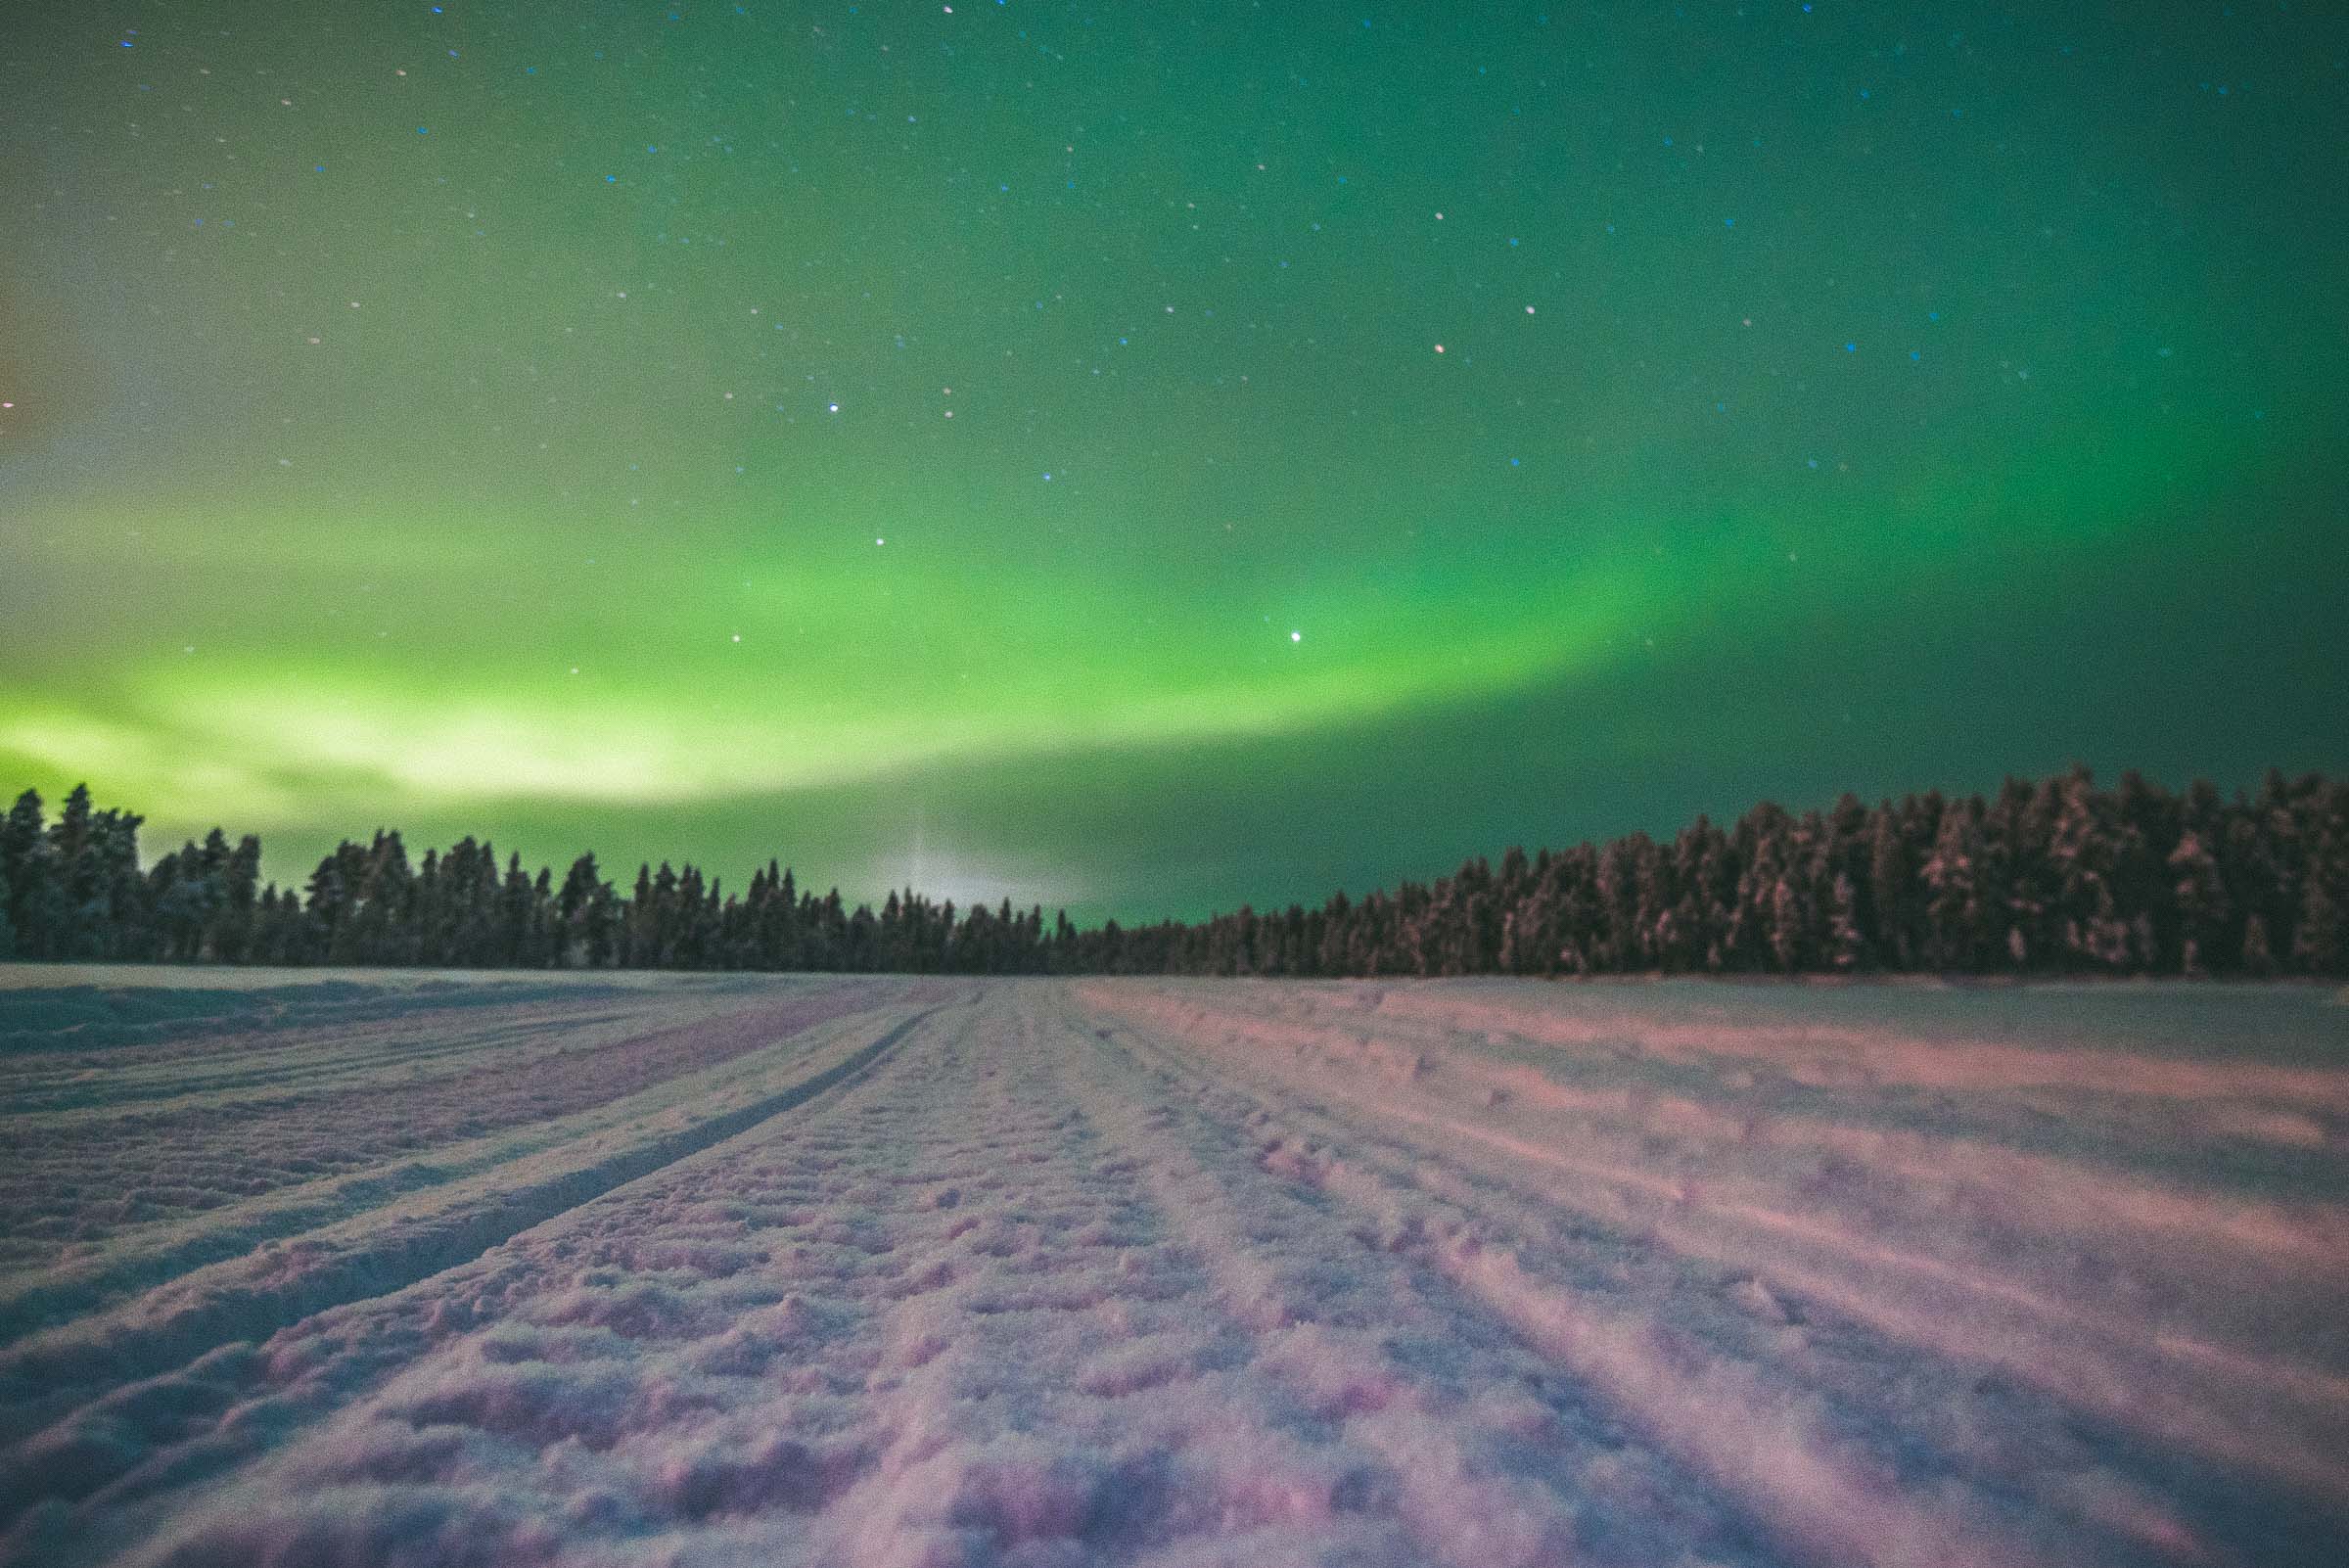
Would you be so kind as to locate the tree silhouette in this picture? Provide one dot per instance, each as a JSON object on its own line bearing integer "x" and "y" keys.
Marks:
{"x": 2046, "y": 878}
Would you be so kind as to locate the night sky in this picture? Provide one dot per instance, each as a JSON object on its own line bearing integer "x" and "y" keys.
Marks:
{"x": 1150, "y": 456}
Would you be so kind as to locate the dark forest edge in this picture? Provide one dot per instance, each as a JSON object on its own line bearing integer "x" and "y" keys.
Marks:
{"x": 2057, "y": 877}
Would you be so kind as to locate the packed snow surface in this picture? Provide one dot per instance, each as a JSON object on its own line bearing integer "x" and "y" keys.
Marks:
{"x": 923, "y": 1272}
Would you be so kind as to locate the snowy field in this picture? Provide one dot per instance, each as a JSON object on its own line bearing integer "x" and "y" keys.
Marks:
{"x": 893, "y": 1273}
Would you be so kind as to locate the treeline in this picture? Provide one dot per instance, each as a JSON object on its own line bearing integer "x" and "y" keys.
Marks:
{"x": 72, "y": 890}
{"x": 2053, "y": 877}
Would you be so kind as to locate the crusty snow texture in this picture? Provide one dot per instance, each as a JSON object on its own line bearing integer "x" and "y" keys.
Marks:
{"x": 899, "y": 1274}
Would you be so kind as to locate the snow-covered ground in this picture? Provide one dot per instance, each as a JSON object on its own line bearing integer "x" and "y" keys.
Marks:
{"x": 930, "y": 1273}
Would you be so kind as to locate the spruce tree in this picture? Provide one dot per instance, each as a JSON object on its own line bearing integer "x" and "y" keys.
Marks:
{"x": 2319, "y": 947}
{"x": 2202, "y": 903}
{"x": 1953, "y": 900}
{"x": 26, "y": 864}
{"x": 1888, "y": 885}
{"x": 1847, "y": 945}
{"x": 582, "y": 887}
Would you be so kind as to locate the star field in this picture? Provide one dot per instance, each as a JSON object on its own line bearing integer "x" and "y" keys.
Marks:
{"x": 1158, "y": 456}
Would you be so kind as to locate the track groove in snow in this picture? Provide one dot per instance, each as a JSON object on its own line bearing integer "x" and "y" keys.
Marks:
{"x": 184, "y": 1138}
{"x": 382, "y": 1249}
{"x": 1168, "y": 1273}
{"x": 445, "y": 1171}
{"x": 1818, "y": 1491}
{"x": 2251, "y": 1435}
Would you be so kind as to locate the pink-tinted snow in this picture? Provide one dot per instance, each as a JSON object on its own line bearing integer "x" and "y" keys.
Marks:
{"x": 1209, "y": 1273}
{"x": 137, "y": 1134}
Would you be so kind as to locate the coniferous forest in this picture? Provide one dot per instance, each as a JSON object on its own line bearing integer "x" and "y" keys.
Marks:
{"x": 2053, "y": 877}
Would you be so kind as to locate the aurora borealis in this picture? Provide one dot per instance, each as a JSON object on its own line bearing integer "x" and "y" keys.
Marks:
{"x": 1148, "y": 456}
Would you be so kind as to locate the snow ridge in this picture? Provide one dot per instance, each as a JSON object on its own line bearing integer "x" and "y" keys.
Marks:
{"x": 380, "y": 1250}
